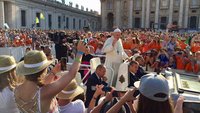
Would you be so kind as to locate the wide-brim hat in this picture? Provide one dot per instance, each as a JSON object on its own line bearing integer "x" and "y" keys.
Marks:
{"x": 70, "y": 91}
{"x": 7, "y": 63}
{"x": 34, "y": 62}
{"x": 151, "y": 85}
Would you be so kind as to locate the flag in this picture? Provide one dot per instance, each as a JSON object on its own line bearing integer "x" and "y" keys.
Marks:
{"x": 42, "y": 16}
{"x": 37, "y": 21}
{"x": 6, "y": 26}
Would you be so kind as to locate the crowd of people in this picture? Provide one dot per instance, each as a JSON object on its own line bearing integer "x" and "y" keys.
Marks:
{"x": 159, "y": 49}
{"x": 35, "y": 84}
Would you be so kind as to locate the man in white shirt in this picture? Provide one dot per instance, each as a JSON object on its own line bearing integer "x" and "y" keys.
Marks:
{"x": 114, "y": 55}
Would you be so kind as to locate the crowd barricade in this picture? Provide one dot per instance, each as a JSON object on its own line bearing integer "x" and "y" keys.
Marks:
{"x": 18, "y": 52}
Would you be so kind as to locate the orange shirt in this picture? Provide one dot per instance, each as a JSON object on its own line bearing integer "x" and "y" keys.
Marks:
{"x": 23, "y": 36}
{"x": 17, "y": 42}
{"x": 144, "y": 48}
{"x": 195, "y": 48}
{"x": 188, "y": 67}
{"x": 28, "y": 41}
{"x": 151, "y": 45}
{"x": 183, "y": 44}
{"x": 127, "y": 45}
{"x": 157, "y": 46}
{"x": 21, "y": 42}
{"x": 180, "y": 63}
{"x": 93, "y": 43}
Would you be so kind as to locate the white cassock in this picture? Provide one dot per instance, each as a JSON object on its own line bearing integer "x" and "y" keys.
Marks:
{"x": 114, "y": 57}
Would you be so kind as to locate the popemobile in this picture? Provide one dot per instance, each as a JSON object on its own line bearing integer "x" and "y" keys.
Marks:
{"x": 186, "y": 85}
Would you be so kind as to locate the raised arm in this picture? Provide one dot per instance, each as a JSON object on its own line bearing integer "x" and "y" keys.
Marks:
{"x": 179, "y": 105}
{"x": 97, "y": 93}
{"x": 50, "y": 90}
{"x": 98, "y": 108}
{"x": 127, "y": 97}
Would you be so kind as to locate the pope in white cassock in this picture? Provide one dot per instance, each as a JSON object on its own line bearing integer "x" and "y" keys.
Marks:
{"x": 114, "y": 55}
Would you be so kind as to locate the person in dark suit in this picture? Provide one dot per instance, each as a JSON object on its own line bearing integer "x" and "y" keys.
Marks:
{"x": 140, "y": 72}
{"x": 132, "y": 68}
{"x": 95, "y": 79}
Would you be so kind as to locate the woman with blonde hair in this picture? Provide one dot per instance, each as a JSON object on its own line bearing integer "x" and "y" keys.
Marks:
{"x": 8, "y": 81}
{"x": 33, "y": 96}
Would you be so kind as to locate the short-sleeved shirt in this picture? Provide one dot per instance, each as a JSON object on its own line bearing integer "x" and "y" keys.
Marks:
{"x": 73, "y": 107}
{"x": 7, "y": 101}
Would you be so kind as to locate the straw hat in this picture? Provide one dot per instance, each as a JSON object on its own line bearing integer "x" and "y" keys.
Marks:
{"x": 34, "y": 62}
{"x": 7, "y": 63}
{"x": 70, "y": 91}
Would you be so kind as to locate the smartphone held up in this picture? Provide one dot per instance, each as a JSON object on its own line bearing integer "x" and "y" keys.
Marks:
{"x": 63, "y": 62}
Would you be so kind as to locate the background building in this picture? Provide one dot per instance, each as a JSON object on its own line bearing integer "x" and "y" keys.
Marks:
{"x": 150, "y": 13}
{"x": 55, "y": 15}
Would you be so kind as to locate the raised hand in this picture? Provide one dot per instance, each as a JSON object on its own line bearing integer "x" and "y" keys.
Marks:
{"x": 129, "y": 95}
{"x": 99, "y": 90}
{"x": 57, "y": 68}
{"x": 114, "y": 41}
{"x": 82, "y": 47}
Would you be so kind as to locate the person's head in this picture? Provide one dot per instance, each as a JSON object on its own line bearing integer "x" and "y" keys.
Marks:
{"x": 8, "y": 76}
{"x": 47, "y": 51}
{"x": 154, "y": 95}
{"x": 171, "y": 59}
{"x": 28, "y": 49}
{"x": 101, "y": 35}
{"x": 162, "y": 51}
{"x": 101, "y": 70}
{"x": 117, "y": 33}
{"x": 42, "y": 48}
{"x": 34, "y": 67}
{"x": 91, "y": 49}
{"x": 180, "y": 53}
{"x": 89, "y": 34}
{"x": 71, "y": 91}
{"x": 100, "y": 45}
{"x": 136, "y": 51}
{"x": 197, "y": 55}
{"x": 173, "y": 39}
{"x": 140, "y": 60}
{"x": 37, "y": 46}
{"x": 133, "y": 66}
{"x": 166, "y": 37}
{"x": 146, "y": 105}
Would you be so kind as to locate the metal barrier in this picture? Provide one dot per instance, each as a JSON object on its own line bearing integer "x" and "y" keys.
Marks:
{"x": 19, "y": 52}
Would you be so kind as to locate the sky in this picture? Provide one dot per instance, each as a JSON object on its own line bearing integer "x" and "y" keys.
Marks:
{"x": 90, "y": 4}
